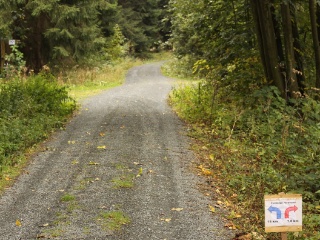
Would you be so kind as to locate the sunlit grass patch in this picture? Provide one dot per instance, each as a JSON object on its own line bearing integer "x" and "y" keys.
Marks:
{"x": 125, "y": 181}
{"x": 113, "y": 220}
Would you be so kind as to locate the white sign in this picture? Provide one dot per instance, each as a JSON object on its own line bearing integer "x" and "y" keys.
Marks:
{"x": 12, "y": 42}
{"x": 283, "y": 212}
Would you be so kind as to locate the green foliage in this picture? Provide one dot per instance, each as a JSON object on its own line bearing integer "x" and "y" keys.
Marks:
{"x": 115, "y": 46}
{"x": 71, "y": 31}
{"x": 113, "y": 220}
{"x": 15, "y": 63}
{"x": 29, "y": 110}
{"x": 261, "y": 145}
{"x": 218, "y": 34}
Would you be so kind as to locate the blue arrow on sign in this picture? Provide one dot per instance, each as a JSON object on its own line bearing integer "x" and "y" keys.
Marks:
{"x": 277, "y": 210}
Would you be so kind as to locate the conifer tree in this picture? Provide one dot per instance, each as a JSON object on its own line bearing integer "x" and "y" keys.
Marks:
{"x": 53, "y": 30}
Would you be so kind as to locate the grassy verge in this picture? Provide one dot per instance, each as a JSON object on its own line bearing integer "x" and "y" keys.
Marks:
{"x": 254, "y": 145}
{"x": 85, "y": 82}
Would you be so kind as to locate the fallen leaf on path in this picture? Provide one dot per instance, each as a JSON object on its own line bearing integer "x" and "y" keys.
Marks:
{"x": 136, "y": 163}
{"x": 74, "y": 162}
{"x": 230, "y": 226}
{"x": 18, "y": 223}
{"x": 220, "y": 202}
{"x": 212, "y": 209}
{"x": 45, "y": 225}
{"x": 102, "y": 134}
{"x": 71, "y": 142}
{"x": 177, "y": 209}
{"x": 93, "y": 163}
{"x": 140, "y": 172}
{"x": 103, "y": 207}
{"x": 166, "y": 219}
{"x": 205, "y": 171}
{"x": 102, "y": 147}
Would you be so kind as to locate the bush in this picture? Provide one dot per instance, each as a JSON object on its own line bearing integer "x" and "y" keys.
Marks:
{"x": 29, "y": 110}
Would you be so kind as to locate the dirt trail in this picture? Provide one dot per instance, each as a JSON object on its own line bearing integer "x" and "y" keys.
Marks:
{"x": 124, "y": 153}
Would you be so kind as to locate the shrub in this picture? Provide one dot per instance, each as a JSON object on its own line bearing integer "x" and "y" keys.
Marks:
{"x": 29, "y": 110}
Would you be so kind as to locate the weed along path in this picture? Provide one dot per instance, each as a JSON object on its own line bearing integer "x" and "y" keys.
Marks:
{"x": 120, "y": 170}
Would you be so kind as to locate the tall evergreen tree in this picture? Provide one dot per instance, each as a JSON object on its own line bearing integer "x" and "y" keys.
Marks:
{"x": 141, "y": 22}
{"x": 53, "y": 30}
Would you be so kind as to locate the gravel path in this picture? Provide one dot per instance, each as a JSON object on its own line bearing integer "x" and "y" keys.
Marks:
{"x": 125, "y": 153}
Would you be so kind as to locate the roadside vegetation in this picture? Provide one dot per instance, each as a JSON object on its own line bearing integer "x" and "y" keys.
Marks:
{"x": 29, "y": 111}
{"x": 254, "y": 146}
{"x": 253, "y": 104}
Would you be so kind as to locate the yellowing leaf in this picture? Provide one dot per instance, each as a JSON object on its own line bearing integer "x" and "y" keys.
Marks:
{"x": 219, "y": 202}
{"x": 212, "y": 209}
{"x": 177, "y": 209}
{"x": 7, "y": 178}
{"x": 74, "y": 162}
{"x": 93, "y": 163}
{"x": 231, "y": 226}
{"x": 102, "y": 147}
{"x": 18, "y": 223}
{"x": 205, "y": 171}
{"x": 102, "y": 134}
{"x": 71, "y": 142}
{"x": 140, "y": 172}
{"x": 166, "y": 219}
{"x": 211, "y": 157}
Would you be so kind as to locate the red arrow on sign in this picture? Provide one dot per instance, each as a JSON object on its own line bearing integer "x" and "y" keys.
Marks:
{"x": 290, "y": 209}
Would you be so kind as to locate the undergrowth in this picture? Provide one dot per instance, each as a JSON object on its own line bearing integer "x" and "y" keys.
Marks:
{"x": 29, "y": 111}
{"x": 254, "y": 145}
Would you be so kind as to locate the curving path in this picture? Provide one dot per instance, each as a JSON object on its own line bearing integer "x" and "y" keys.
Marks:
{"x": 124, "y": 153}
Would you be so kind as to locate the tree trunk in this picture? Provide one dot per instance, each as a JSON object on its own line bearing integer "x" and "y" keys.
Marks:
{"x": 298, "y": 52}
{"x": 313, "y": 18}
{"x": 290, "y": 76}
{"x": 277, "y": 32}
{"x": 267, "y": 43}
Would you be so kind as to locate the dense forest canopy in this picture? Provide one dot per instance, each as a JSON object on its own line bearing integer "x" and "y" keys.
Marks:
{"x": 267, "y": 42}
{"x": 274, "y": 42}
{"x": 51, "y": 31}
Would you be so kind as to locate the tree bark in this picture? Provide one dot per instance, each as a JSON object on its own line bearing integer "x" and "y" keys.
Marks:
{"x": 292, "y": 86}
{"x": 313, "y": 18}
{"x": 267, "y": 43}
{"x": 298, "y": 52}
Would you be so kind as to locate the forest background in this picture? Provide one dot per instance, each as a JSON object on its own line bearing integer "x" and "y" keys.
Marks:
{"x": 251, "y": 98}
